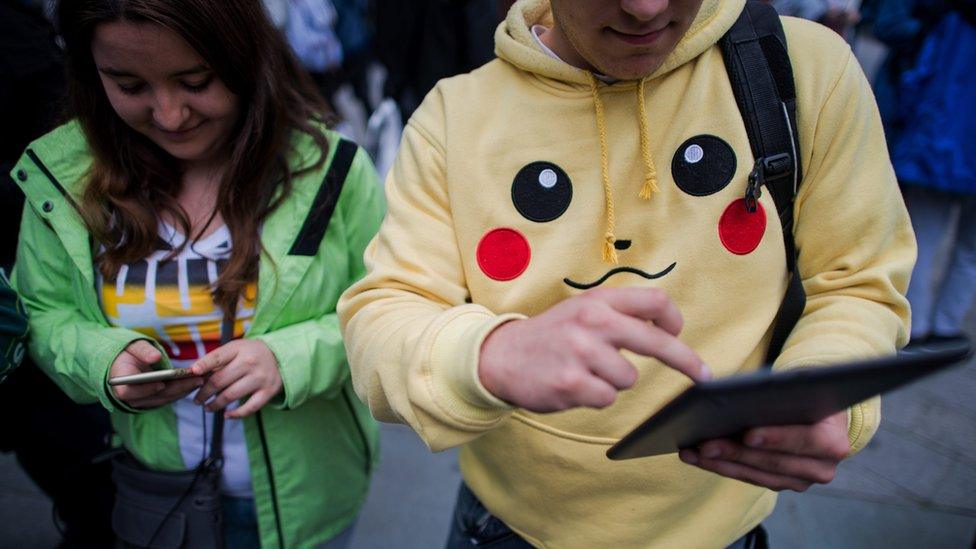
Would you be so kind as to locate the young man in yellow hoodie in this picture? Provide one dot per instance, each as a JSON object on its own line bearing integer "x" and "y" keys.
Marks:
{"x": 566, "y": 245}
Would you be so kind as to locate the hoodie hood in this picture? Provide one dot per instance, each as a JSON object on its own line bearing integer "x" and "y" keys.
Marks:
{"x": 515, "y": 44}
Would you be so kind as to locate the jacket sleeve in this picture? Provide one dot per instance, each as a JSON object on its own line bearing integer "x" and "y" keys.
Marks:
{"x": 311, "y": 355}
{"x": 72, "y": 349}
{"x": 413, "y": 342}
{"x": 855, "y": 241}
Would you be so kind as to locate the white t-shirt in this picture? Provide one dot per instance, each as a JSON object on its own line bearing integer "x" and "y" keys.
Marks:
{"x": 539, "y": 30}
{"x": 170, "y": 302}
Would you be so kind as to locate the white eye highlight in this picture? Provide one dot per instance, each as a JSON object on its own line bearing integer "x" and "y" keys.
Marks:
{"x": 694, "y": 154}
{"x": 547, "y": 178}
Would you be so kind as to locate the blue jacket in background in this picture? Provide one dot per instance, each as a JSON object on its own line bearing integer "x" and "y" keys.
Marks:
{"x": 936, "y": 106}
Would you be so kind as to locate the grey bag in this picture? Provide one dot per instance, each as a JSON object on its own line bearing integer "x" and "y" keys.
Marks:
{"x": 172, "y": 510}
{"x": 168, "y": 510}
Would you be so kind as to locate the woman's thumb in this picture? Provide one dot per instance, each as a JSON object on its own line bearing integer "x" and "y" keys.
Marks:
{"x": 144, "y": 351}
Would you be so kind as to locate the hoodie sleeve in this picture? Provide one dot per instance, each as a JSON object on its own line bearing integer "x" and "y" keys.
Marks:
{"x": 412, "y": 341}
{"x": 855, "y": 241}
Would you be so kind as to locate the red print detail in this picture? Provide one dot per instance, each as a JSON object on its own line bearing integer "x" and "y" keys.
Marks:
{"x": 503, "y": 254}
{"x": 186, "y": 350}
{"x": 742, "y": 230}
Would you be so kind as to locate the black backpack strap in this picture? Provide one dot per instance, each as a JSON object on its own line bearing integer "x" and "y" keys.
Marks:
{"x": 759, "y": 69}
{"x": 313, "y": 229}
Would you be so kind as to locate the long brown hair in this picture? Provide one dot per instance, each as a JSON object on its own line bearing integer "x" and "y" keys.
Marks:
{"x": 132, "y": 181}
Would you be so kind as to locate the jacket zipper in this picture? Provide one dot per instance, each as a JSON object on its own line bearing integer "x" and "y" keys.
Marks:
{"x": 359, "y": 429}
{"x": 271, "y": 480}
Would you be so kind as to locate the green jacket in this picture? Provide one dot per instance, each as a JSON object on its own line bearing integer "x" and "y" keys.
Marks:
{"x": 13, "y": 328}
{"x": 312, "y": 450}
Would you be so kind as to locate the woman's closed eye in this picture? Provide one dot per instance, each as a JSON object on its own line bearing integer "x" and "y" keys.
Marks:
{"x": 199, "y": 85}
{"x": 192, "y": 87}
{"x": 131, "y": 89}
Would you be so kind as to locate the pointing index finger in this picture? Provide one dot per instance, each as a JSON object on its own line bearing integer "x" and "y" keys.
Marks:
{"x": 651, "y": 304}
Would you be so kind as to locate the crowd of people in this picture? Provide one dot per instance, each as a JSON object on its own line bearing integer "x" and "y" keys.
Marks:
{"x": 544, "y": 221}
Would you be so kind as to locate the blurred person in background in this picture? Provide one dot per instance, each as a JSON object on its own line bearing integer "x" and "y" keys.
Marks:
{"x": 310, "y": 30}
{"x": 838, "y": 15}
{"x": 927, "y": 94}
{"x": 56, "y": 441}
{"x": 13, "y": 329}
{"x": 198, "y": 185}
{"x": 422, "y": 41}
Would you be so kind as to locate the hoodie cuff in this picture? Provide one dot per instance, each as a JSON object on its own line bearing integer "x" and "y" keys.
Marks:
{"x": 864, "y": 418}
{"x": 454, "y": 359}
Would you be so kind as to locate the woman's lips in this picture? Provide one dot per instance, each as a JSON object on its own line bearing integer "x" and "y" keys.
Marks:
{"x": 639, "y": 39}
{"x": 182, "y": 135}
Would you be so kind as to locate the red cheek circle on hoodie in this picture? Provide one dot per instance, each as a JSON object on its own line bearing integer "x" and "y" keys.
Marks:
{"x": 503, "y": 254}
{"x": 741, "y": 230}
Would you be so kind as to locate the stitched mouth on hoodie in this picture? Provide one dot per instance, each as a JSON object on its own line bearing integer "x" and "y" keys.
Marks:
{"x": 616, "y": 271}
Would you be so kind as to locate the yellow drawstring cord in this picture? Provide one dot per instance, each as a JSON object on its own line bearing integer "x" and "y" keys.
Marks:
{"x": 609, "y": 250}
{"x": 650, "y": 172}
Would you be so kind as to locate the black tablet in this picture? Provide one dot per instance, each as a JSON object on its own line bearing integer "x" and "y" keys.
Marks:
{"x": 728, "y": 407}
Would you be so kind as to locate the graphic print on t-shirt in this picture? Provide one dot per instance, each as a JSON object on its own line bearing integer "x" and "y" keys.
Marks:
{"x": 170, "y": 301}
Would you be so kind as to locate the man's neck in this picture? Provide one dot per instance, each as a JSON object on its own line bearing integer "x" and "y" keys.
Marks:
{"x": 555, "y": 39}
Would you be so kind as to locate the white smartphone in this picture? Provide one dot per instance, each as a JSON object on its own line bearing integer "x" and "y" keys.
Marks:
{"x": 149, "y": 377}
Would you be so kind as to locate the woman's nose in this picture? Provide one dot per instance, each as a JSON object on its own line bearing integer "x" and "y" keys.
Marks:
{"x": 169, "y": 113}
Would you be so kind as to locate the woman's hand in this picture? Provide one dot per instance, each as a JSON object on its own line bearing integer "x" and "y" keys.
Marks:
{"x": 138, "y": 358}
{"x": 239, "y": 369}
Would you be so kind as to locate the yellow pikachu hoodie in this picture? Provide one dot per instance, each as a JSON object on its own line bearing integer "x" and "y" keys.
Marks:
{"x": 514, "y": 187}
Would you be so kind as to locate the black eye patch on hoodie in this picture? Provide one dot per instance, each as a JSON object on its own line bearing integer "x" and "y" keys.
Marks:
{"x": 703, "y": 165}
{"x": 541, "y": 191}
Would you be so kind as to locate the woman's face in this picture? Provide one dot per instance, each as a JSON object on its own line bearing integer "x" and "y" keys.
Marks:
{"x": 163, "y": 89}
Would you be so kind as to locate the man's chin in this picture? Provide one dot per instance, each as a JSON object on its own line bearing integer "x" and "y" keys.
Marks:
{"x": 634, "y": 69}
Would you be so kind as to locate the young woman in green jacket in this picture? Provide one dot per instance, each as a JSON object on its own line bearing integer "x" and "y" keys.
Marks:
{"x": 198, "y": 179}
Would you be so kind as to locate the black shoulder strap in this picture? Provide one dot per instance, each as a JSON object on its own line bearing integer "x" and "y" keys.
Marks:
{"x": 759, "y": 69}
{"x": 313, "y": 229}
{"x": 216, "y": 457}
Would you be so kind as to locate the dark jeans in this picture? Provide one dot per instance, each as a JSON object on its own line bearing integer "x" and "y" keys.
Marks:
{"x": 475, "y": 526}
{"x": 240, "y": 523}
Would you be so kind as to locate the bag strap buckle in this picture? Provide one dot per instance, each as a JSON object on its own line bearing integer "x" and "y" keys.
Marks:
{"x": 765, "y": 170}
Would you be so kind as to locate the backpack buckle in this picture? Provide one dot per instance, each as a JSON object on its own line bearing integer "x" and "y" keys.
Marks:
{"x": 766, "y": 168}
{"x": 777, "y": 166}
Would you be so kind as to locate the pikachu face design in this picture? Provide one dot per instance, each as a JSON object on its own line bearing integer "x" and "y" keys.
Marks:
{"x": 541, "y": 192}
